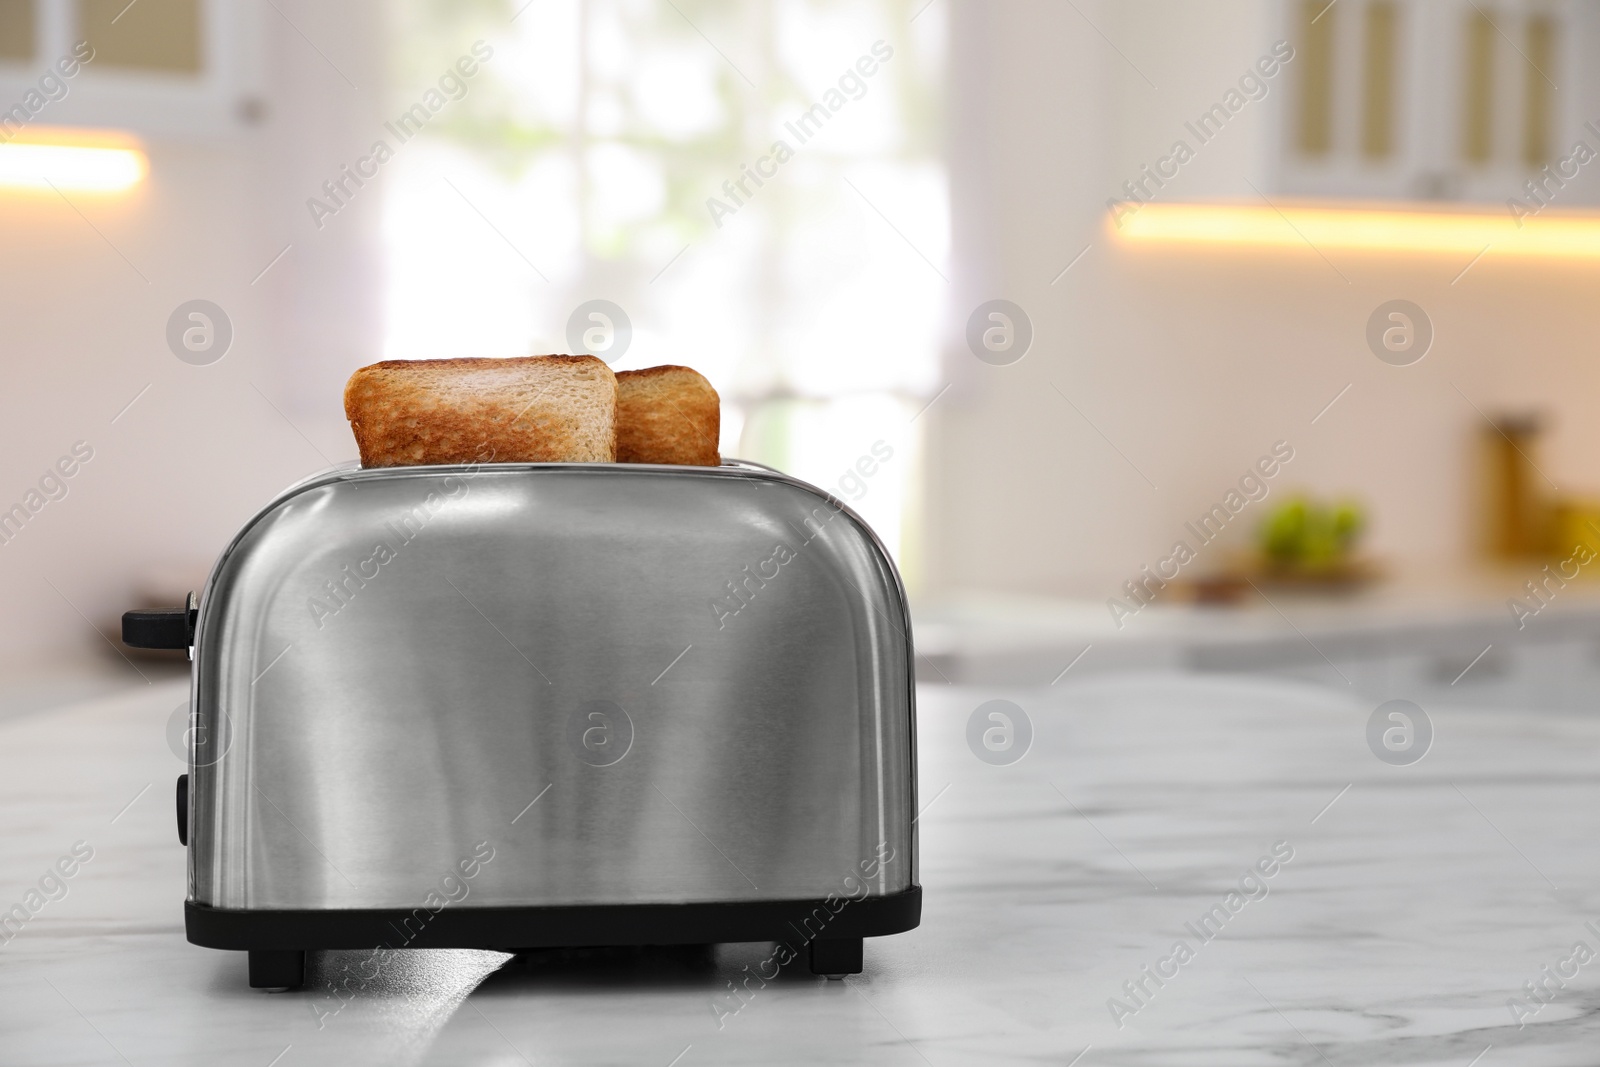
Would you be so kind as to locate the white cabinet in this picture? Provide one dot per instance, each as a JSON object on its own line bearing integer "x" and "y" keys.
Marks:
{"x": 1454, "y": 100}
{"x": 159, "y": 67}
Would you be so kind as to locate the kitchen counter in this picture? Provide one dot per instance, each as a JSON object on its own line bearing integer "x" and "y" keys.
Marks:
{"x": 1449, "y": 634}
{"x": 1405, "y": 906}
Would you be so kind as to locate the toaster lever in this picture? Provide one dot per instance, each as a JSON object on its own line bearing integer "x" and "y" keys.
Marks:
{"x": 163, "y": 628}
{"x": 183, "y": 809}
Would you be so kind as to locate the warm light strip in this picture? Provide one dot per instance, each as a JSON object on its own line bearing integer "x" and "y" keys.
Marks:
{"x": 70, "y": 168}
{"x": 1326, "y": 228}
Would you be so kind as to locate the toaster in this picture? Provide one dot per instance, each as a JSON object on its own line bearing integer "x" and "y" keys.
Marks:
{"x": 525, "y": 705}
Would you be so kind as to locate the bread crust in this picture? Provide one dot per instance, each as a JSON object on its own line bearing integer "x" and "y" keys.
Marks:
{"x": 535, "y": 409}
{"x": 668, "y": 414}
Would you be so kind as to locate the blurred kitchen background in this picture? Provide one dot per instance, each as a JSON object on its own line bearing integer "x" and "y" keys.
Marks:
{"x": 1354, "y": 243}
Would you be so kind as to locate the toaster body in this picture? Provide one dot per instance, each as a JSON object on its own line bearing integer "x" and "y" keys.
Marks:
{"x": 527, "y": 705}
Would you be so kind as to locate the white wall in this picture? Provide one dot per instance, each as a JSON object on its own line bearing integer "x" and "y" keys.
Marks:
{"x": 1193, "y": 363}
{"x": 203, "y": 448}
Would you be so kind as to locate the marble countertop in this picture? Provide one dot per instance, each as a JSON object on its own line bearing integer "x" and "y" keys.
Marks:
{"x": 1405, "y": 907}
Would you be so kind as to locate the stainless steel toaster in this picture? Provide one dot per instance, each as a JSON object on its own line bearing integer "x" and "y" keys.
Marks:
{"x": 516, "y": 706}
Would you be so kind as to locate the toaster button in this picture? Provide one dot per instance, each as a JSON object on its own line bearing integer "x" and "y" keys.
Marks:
{"x": 183, "y": 809}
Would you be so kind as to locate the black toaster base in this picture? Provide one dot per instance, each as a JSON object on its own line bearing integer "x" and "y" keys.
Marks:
{"x": 278, "y": 939}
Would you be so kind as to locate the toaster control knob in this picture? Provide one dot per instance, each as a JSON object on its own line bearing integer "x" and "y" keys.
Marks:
{"x": 165, "y": 628}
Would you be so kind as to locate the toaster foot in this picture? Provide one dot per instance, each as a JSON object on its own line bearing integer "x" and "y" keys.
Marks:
{"x": 836, "y": 957}
{"x": 277, "y": 969}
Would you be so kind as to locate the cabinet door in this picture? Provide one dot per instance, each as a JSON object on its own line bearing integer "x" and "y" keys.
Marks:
{"x": 1452, "y": 100}
{"x": 157, "y": 67}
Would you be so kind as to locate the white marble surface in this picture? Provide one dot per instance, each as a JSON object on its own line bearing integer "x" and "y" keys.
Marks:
{"x": 1413, "y": 908}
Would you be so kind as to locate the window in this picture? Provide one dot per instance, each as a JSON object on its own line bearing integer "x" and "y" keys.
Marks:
{"x": 757, "y": 186}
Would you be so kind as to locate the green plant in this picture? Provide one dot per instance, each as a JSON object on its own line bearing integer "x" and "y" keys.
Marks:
{"x": 1304, "y": 532}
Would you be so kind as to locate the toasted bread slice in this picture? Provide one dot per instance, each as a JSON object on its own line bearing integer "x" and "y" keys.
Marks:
{"x": 540, "y": 409}
{"x": 667, "y": 415}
